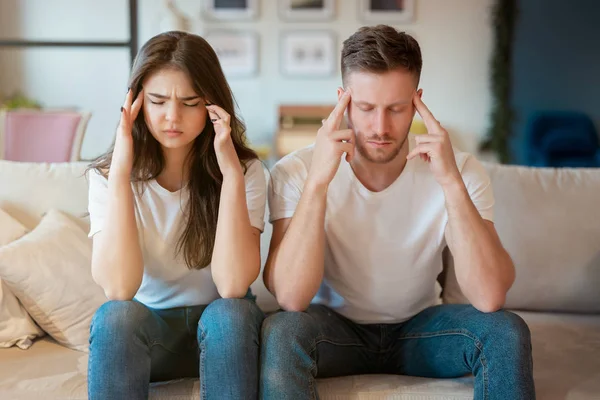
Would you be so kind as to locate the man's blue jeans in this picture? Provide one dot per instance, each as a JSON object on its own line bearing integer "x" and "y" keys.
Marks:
{"x": 444, "y": 341}
{"x": 132, "y": 345}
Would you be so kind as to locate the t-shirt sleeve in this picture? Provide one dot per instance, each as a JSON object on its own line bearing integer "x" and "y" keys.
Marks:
{"x": 479, "y": 186}
{"x": 285, "y": 187}
{"x": 97, "y": 201}
{"x": 256, "y": 194}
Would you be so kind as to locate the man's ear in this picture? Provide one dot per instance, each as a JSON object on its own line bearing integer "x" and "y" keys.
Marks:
{"x": 420, "y": 94}
{"x": 340, "y": 93}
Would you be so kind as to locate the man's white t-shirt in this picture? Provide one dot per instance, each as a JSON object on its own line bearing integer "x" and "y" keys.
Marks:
{"x": 167, "y": 282}
{"x": 383, "y": 250}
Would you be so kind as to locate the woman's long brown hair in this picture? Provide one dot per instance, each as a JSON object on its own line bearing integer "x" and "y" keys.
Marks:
{"x": 194, "y": 56}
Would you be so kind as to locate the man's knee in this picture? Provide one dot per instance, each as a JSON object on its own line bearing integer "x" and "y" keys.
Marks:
{"x": 508, "y": 330}
{"x": 287, "y": 327}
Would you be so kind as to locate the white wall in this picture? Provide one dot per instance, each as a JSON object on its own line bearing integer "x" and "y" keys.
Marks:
{"x": 455, "y": 37}
{"x": 89, "y": 79}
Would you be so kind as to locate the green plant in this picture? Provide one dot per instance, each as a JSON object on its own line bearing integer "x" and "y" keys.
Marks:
{"x": 19, "y": 101}
{"x": 504, "y": 15}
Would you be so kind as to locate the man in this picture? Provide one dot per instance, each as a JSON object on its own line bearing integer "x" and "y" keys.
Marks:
{"x": 357, "y": 244}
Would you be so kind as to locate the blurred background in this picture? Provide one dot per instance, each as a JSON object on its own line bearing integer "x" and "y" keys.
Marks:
{"x": 512, "y": 81}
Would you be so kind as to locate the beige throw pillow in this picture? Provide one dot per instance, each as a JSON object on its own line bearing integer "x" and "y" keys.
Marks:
{"x": 16, "y": 326}
{"x": 49, "y": 272}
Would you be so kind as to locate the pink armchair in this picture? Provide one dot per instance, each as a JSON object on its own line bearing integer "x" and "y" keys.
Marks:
{"x": 42, "y": 136}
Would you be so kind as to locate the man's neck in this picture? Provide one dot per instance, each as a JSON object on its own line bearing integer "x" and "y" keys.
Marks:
{"x": 377, "y": 177}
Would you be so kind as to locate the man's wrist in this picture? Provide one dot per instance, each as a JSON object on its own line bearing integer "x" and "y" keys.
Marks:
{"x": 315, "y": 189}
{"x": 455, "y": 189}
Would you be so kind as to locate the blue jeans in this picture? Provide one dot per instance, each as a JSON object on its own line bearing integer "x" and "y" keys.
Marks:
{"x": 444, "y": 341}
{"x": 132, "y": 345}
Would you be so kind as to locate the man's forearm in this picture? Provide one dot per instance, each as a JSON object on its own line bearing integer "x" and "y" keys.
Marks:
{"x": 484, "y": 269}
{"x": 296, "y": 265}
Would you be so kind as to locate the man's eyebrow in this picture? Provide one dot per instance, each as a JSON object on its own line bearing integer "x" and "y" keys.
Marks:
{"x": 397, "y": 103}
{"x": 162, "y": 96}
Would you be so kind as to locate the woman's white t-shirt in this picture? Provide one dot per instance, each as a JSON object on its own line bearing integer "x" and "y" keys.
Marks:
{"x": 167, "y": 282}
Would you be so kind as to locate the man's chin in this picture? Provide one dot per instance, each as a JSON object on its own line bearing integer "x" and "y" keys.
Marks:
{"x": 379, "y": 156}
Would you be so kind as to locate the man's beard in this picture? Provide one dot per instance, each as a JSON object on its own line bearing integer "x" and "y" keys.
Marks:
{"x": 380, "y": 156}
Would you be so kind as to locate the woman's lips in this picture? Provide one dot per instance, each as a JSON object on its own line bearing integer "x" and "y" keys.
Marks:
{"x": 172, "y": 132}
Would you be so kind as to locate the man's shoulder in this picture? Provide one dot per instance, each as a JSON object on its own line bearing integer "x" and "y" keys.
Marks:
{"x": 471, "y": 169}
{"x": 296, "y": 163}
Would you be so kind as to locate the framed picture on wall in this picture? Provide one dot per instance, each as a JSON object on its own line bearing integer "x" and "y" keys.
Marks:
{"x": 307, "y": 53}
{"x": 237, "y": 52}
{"x": 230, "y": 9}
{"x": 306, "y": 10}
{"x": 392, "y": 11}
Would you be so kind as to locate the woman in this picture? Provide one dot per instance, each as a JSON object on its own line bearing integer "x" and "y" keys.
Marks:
{"x": 176, "y": 210}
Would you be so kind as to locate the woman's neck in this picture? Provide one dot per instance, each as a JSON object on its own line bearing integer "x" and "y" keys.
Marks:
{"x": 174, "y": 175}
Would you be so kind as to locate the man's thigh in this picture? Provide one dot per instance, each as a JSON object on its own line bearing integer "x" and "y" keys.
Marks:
{"x": 342, "y": 346}
{"x": 445, "y": 341}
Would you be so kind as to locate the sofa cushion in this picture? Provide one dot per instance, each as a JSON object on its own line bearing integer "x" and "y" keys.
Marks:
{"x": 548, "y": 221}
{"x": 37, "y": 187}
{"x": 49, "y": 271}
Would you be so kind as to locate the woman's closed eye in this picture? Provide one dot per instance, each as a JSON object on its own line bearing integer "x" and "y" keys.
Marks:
{"x": 158, "y": 103}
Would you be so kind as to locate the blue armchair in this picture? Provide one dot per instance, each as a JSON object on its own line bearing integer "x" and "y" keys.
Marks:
{"x": 562, "y": 139}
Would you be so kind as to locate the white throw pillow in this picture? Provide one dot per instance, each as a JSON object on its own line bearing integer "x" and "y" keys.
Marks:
{"x": 10, "y": 228}
{"x": 49, "y": 272}
{"x": 16, "y": 326}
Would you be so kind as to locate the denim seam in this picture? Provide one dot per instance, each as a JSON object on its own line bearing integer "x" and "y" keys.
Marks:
{"x": 313, "y": 371}
{"x": 483, "y": 362}
{"x": 460, "y": 332}
{"x": 202, "y": 357}
{"x": 155, "y": 343}
{"x": 336, "y": 343}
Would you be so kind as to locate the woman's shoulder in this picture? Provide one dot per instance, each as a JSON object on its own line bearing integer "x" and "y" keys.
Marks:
{"x": 254, "y": 167}
{"x": 255, "y": 171}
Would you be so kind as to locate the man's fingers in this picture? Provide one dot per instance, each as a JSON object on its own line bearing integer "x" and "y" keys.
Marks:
{"x": 425, "y": 148}
{"x": 335, "y": 118}
{"x": 344, "y": 134}
{"x": 428, "y": 138}
{"x": 347, "y": 148}
{"x": 431, "y": 123}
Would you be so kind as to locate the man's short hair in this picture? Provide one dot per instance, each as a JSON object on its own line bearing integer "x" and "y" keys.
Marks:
{"x": 379, "y": 49}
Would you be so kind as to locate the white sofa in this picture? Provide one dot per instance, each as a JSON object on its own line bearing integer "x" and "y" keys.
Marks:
{"x": 549, "y": 220}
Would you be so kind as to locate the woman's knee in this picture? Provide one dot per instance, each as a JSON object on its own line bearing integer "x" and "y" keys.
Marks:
{"x": 117, "y": 318}
{"x": 231, "y": 317}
